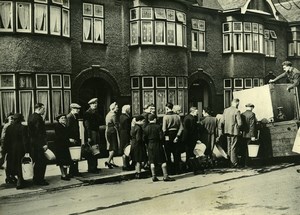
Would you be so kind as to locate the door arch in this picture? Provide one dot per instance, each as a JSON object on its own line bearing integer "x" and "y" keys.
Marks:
{"x": 201, "y": 91}
{"x": 95, "y": 83}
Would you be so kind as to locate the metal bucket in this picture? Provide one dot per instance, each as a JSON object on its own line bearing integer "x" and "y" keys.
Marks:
{"x": 253, "y": 150}
{"x": 75, "y": 152}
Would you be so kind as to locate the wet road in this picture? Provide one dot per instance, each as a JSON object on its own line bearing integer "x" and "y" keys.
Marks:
{"x": 219, "y": 192}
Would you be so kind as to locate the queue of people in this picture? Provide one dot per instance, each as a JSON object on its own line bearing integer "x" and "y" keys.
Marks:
{"x": 152, "y": 144}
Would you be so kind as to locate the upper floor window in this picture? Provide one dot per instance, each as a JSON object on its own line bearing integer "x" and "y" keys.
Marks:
{"x": 243, "y": 37}
{"x": 36, "y": 16}
{"x": 198, "y": 35}
{"x": 157, "y": 26}
{"x": 93, "y": 23}
{"x": 270, "y": 37}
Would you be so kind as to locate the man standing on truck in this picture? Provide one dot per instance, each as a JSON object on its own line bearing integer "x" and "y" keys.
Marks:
{"x": 291, "y": 73}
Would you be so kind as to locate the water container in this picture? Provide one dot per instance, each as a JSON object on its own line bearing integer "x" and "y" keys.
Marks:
{"x": 75, "y": 152}
{"x": 253, "y": 150}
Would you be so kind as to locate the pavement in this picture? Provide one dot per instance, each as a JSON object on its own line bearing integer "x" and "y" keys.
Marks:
{"x": 108, "y": 176}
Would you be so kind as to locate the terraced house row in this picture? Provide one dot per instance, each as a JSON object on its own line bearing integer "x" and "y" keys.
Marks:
{"x": 187, "y": 52}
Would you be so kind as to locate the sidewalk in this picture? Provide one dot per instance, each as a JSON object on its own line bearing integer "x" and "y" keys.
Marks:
{"x": 110, "y": 175}
{"x": 55, "y": 183}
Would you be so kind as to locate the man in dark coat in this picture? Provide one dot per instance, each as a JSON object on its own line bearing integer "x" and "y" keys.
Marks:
{"x": 92, "y": 122}
{"x": 74, "y": 135}
{"x": 190, "y": 133}
{"x": 38, "y": 141}
{"x": 248, "y": 132}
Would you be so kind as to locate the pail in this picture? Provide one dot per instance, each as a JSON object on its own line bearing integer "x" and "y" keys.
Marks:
{"x": 127, "y": 150}
{"x": 75, "y": 152}
{"x": 50, "y": 155}
{"x": 219, "y": 152}
{"x": 253, "y": 150}
{"x": 27, "y": 168}
{"x": 95, "y": 149}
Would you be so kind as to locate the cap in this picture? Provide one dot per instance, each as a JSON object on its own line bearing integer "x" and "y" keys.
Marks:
{"x": 75, "y": 106}
{"x": 93, "y": 100}
{"x": 249, "y": 105}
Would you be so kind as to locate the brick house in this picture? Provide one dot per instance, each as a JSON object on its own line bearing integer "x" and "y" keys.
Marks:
{"x": 140, "y": 51}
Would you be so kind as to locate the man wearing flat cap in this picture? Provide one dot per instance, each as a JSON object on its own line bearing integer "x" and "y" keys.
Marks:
{"x": 92, "y": 122}
{"x": 74, "y": 135}
{"x": 249, "y": 122}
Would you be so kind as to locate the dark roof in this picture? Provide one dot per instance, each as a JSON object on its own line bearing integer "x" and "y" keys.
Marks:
{"x": 289, "y": 10}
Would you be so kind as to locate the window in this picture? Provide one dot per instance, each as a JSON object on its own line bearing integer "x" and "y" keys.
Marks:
{"x": 7, "y": 81}
{"x": 157, "y": 26}
{"x": 67, "y": 100}
{"x": 243, "y": 37}
{"x": 66, "y": 23}
{"x": 67, "y": 81}
{"x": 25, "y": 81}
{"x": 57, "y": 103}
{"x": 42, "y": 81}
{"x": 227, "y": 83}
{"x": 248, "y": 82}
{"x": 8, "y": 103}
{"x": 291, "y": 50}
{"x": 158, "y": 90}
{"x": 40, "y": 18}
{"x": 198, "y": 35}
{"x": 238, "y": 83}
{"x": 56, "y": 81}
{"x": 6, "y": 20}
{"x": 26, "y": 103}
{"x": 23, "y": 17}
{"x": 42, "y": 96}
{"x": 93, "y": 23}
{"x": 269, "y": 43}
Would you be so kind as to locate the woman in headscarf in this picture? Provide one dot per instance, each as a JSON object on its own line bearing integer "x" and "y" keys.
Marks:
{"x": 62, "y": 144}
{"x": 112, "y": 134}
{"x": 16, "y": 146}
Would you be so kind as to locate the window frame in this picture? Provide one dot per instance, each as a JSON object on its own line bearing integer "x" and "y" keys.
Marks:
{"x": 52, "y": 81}
{"x": 48, "y": 104}
{"x": 52, "y": 103}
{"x": 143, "y": 82}
{"x": 165, "y": 82}
{"x": 235, "y": 86}
{"x": 69, "y": 81}
{"x": 138, "y": 81}
{"x": 51, "y": 8}
{"x": 30, "y": 18}
{"x": 245, "y": 83}
{"x": 11, "y": 17}
{"x": 151, "y": 32}
{"x": 32, "y": 102}
{"x": 13, "y": 81}
{"x": 1, "y": 103}
{"x": 225, "y": 86}
{"x": 45, "y": 22}
{"x": 229, "y": 43}
{"x": 36, "y": 81}
{"x": 163, "y": 42}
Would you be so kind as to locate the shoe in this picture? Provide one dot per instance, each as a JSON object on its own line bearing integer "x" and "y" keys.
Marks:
{"x": 155, "y": 179}
{"x": 169, "y": 179}
{"x": 108, "y": 165}
{"x": 114, "y": 165}
{"x": 137, "y": 176}
{"x": 41, "y": 183}
{"x": 65, "y": 178}
{"x": 11, "y": 180}
{"x": 20, "y": 186}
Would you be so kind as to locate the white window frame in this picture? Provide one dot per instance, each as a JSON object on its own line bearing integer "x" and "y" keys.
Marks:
{"x": 143, "y": 82}
{"x": 32, "y": 102}
{"x": 229, "y": 35}
{"x": 229, "y": 27}
{"x": 91, "y": 30}
{"x": 102, "y": 30}
{"x": 52, "y": 103}
{"x": 151, "y": 91}
{"x": 67, "y": 108}
{"x": 174, "y": 33}
{"x": 230, "y": 83}
{"x": 1, "y": 105}
{"x": 161, "y": 104}
{"x": 137, "y": 11}
{"x": 66, "y": 3}
{"x": 52, "y": 8}
{"x": 136, "y": 42}
{"x": 11, "y": 17}
{"x": 255, "y": 80}
{"x": 246, "y": 85}
{"x": 30, "y": 17}
{"x": 160, "y": 13}
{"x": 179, "y": 35}
{"x": 13, "y": 79}
{"x": 165, "y": 80}
{"x": 45, "y": 18}
{"x": 132, "y": 87}
{"x": 291, "y": 49}
{"x": 149, "y": 16}
{"x": 171, "y": 15}
{"x": 69, "y": 81}
{"x": 48, "y": 104}
{"x": 36, "y": 81}
{"x": 175, "y": 81}
{"x": 60, "y": 80}
{"x": 203, "y": 41}
{"x": 235, "y": 41}
{"x": 235, "y": 85}
{"x": 98, "y": 15}
{"x": 65, "y": 11}
{"x": 163, "y": 42}
{"x": 149, "y": 23}
{"x": 41, "y": 1}
{"x": 193, "y": 35}
{"x": 87, "y": 5}
{"x": 248, "y": 42}
{"x": 234, "y": 29}
{"x": 247, "y": 24}
{"x": 298, "y": 48}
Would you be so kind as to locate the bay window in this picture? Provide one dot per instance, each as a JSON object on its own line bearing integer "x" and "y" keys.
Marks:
{"x": 244, "y": 37}
{"x": 157, "y": 26}
{"x": 37, "y": 16}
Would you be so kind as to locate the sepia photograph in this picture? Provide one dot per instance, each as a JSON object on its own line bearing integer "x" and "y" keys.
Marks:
{"x": 167, "y": 107}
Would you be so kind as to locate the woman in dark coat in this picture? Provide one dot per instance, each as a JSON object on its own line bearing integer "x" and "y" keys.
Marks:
{"x": 16, "y": 146}
{"x": 125, "y": 126}
{"x": 62, "y": 145}
{"x": 138, "y": 148}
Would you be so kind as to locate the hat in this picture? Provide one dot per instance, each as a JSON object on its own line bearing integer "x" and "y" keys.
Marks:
{"x": 75, "y": 105}
{"x": 139, "y": 118}
{"x": 249, "y": 105}
{"x": 59, "y": 116}
{"x": 93, "y": 100}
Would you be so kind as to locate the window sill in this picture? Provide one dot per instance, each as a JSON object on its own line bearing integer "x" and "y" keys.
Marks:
{"x": 35, "y": 35}
{"x": 155, "y": 45}
{"x": 93, "y": 44}
{"x": 199, "y": 52}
